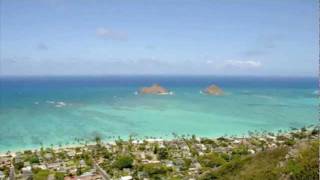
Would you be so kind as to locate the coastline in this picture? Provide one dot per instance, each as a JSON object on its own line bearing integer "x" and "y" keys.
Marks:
{"x": 182, "y": 156}
{"x": 261, "y": 133}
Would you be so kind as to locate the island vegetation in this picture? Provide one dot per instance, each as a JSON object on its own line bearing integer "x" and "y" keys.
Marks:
{"x": 154, "y": 89}
{"x": 213, "y": 90}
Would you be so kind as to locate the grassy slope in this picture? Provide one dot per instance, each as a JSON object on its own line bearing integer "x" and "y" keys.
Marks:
{"x": 271, "y": 165}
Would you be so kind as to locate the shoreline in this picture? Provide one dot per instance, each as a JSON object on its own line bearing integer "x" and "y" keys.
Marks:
{"x": 182, "y": 156}
{"x": 260, "y": 133}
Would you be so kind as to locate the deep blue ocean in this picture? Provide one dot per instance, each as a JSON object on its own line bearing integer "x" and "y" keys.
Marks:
{"x": 62, "y": 110}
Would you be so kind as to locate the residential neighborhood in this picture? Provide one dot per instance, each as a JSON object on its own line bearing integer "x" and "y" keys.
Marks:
{"x": 183, "y": 157}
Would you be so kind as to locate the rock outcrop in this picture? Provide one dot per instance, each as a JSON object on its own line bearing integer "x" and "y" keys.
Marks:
{"x": 154, "y": 89}
{"x": 213, "y": 90}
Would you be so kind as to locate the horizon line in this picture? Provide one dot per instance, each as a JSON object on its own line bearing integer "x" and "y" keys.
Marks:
{"x": 159, "y": 75}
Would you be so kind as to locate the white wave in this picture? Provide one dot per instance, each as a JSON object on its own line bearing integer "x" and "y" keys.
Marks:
{"x": 316, "y": 92}
{"x": 57, "y": 104}
{"x": 166, "y": 93}
{"x": 36, "y": 102}
{"x": 50, "y": 102}
{"x": 61, "y": 103}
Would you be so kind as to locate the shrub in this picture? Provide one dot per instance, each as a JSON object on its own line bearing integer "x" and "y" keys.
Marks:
{"x": 289, "y": 142}
{"x": 19, "y": 165}
{"x": 34, "y": 160}
{"x": 208, "y": 141}
{"x": 187, "y": 163}
{"x": 41, "y": 175}
{"x": 208, "y": 175}
{"x": 163, "y": 153}
{"x": 225, "y": 156}
{"x": 240, "y": 150}
{"x": 59, "y": 176}
{"x": 305, "y": 165}
{"x": 263, "y": 165}
{"x": 298, "y": 135}
{"x": 211, "y": 160}
{"x": 106, "y": 154}
{"x": 124, "y": 161}
{"x": 155, "y": 169}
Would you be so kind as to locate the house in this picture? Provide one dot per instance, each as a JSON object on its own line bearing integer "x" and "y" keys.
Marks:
{"x": 26, "y": 172}
{"x": 55, "y": 165}
{"x": 48, "y": 156}
{"x": 41, "y": 166}
{"x": 71, "y": 153}
{"x": 126, "y": 178}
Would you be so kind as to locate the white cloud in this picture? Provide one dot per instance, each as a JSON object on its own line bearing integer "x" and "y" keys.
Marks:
{"x": 111, "y": 34}
{"x": 243, "y": 64}
{"x": 209, "y": 61}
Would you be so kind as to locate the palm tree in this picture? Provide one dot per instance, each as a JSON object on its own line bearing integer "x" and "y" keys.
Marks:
{"x": 97, "y": 138}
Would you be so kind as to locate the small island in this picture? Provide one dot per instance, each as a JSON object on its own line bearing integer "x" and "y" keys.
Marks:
{"x": 154, "y": 89}
{"x": 213, "y": 90}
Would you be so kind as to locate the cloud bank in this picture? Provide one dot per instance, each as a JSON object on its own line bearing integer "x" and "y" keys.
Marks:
{"x": 243, "y": 64}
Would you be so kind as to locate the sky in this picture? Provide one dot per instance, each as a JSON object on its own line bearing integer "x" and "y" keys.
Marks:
{"x": 182, "y": 37}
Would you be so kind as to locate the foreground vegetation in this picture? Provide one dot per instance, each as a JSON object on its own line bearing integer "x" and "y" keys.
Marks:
{"x": 292, "y": 155}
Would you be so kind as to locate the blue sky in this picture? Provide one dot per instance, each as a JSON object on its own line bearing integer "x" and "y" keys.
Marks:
{"x": 218, "y": 37}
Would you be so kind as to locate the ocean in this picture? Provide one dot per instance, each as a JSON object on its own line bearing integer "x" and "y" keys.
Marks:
{"x": 59, "y": 111}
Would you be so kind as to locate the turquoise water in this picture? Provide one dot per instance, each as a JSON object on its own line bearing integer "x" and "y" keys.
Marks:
{"x": 56, "y": 110}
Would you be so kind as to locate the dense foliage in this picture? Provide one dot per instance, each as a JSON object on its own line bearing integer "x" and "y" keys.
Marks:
{"x": 123, "y": 161}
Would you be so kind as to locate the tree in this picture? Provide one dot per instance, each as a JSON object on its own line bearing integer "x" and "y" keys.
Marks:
{"x": 163, "y": 153}
{"x": 97, "y": 139}
{"x": 19, "y": 165}
{"x": 123, "y": 161}
{"x": 34, "y": 159}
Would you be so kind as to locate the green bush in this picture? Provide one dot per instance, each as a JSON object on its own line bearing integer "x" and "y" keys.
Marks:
{"x": 263, "y": 165}
{"x": 208, "y": 175}
{"x": 225, "y": 156}
{"x": 19, "y": 165}
{"x": 59, "y": 176}
{"x": 305, "y": 165}
{"x": 290, "y": 142}
{"x": 211, "y": 160}
{"x": 41, "y": 175}
{"x": 155, "y": 169}
{"x": 123, "y": 161}
{"x": 163, "y": 153}
{"x": 208, "y": 141}
{"x": 187, "y": 163}
{"x": 34, "y": 160}
{"x": 298, "y": 135}
{"x": 240, "y": 150}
